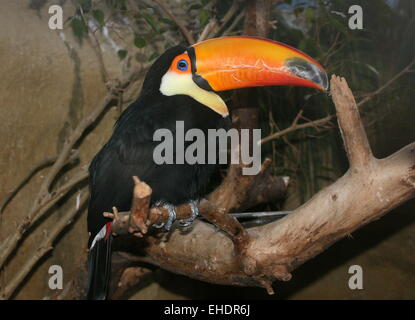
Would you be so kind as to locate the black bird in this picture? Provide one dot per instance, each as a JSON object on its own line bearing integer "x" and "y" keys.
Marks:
{"x": 181, "y": 85}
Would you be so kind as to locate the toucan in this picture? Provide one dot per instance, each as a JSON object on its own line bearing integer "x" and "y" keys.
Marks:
{"x": 181, "y": 85}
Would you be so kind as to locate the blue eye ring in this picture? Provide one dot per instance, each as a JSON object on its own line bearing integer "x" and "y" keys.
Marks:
{"x": 182, "y": 65}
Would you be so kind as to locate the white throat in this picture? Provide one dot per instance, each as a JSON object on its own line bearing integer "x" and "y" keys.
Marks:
{"x": 174, "y": 83}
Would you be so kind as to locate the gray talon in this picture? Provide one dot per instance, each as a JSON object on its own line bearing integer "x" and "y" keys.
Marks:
{"x": 158, "y": 226}
{"x": 172, "y": 216}
{"x": 195, "y": 213}
{"x": 161, "y": 225}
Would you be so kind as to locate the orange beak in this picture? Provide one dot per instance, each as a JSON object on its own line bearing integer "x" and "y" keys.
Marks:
{"x": 238, "y": 62}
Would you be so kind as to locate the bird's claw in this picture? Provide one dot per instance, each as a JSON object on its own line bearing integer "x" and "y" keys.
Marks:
{"x": 172, "y": 217}
{"x": 195, "y": 212}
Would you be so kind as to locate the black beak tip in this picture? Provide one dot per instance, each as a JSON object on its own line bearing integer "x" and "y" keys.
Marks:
{"x": 323, "y": 80}
{"x": 309, "y": 71}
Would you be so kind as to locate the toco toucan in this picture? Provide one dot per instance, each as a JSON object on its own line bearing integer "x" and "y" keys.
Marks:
{"x": 181, "y": 85}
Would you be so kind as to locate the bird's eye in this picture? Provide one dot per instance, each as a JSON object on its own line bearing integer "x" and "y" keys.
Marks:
{"x": 182, "y": 65}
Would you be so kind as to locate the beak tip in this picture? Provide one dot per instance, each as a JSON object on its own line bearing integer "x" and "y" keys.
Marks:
{"x": 308, "y": 71}
{"x": 324, "y": 81}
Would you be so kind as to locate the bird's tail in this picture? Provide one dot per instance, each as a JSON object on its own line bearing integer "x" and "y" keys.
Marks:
{"x": 99, "y": 264}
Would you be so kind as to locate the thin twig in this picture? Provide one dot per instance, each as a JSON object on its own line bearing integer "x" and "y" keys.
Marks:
{"x": 224, "y": 21}
{"x": 10, "y": 244}
{"x": 210, "y": 4}
{"x": 234, "y": 23}
{"x": 295, "y": 127}
{"x": 185, "y": 32}
{"x": 45, "y": 246}
{"x": 207, "y": 29}
{"x": 43, "y": 164}
{"x": 96, "y": 47}
{"x": 407, "y": 69}
{"x": 61, "y": 192}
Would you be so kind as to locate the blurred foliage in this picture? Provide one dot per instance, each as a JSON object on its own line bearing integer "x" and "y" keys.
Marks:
{"x": 367, "y": 58}
{"x": 148, "y": 22}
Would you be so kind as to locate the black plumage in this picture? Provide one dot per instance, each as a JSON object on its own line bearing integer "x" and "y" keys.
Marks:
{"x": 129, "y": 152}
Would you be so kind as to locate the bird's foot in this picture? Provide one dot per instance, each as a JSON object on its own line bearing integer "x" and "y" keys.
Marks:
{"x": 172, "y": 216}
{"x": 195, "y": 212}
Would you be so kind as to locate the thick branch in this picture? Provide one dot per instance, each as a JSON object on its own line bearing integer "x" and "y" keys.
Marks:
{"x": 279, "y": 247}
{"x": 44, "y": 247}
{"x": 353, "y": 133}
{"x": 274, "y": 250}
{"x": 237, "y": 192}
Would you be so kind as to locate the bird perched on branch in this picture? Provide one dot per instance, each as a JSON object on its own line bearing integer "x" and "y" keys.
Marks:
{"x": 181, "y": 85}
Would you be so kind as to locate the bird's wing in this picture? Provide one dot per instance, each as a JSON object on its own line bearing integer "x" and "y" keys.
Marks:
{"x": 128, "y": 153}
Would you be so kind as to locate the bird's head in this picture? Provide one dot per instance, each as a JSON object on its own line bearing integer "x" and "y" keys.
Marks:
{"x": 220, "y": 64}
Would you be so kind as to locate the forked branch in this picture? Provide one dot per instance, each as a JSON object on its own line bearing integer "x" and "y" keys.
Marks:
{"x": 370, "y": 189}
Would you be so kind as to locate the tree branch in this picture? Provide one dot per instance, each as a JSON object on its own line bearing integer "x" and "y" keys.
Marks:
{"x": 237, "y": 192}
{"x": 44, "y": 247}
{"x": 369, "y": 189}
{"x": 279, "y": 247}
{"x": 353, "y": 133}
{"x": 224, "y": 21}
{"x": 185, "y": 32}
{"x": 234, "y": 23}
{"x": 11, "y": 194}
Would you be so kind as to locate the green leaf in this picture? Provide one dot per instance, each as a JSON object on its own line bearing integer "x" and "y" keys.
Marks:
{"x": 122, "y": 5}
{"x": 166, "y": 21}
{"x": 340, "y": 26}
{"x": 78, "y": 27}
{"x": 309, "y": 14}
{"x": 153, "y": 56}
{"x": 98, "y": 16}
{"x": 195, "y": 6}
{"x": 150, "y": 20}
{"x": 122, "y": 54}
{"x": 85, "y": 4}
{"x": 139, "y": 41}
{"x": 203, "y": 16}
{"x": 116, "y": 4}
{"x": 112, "y": 3}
